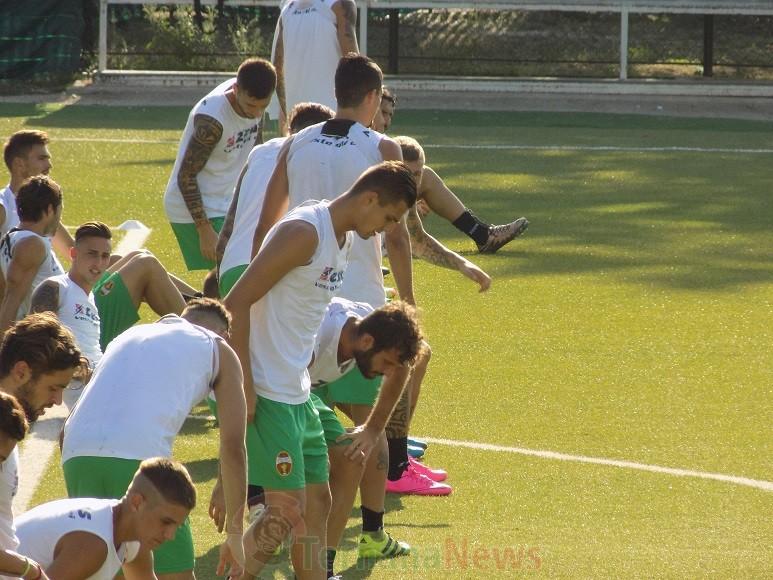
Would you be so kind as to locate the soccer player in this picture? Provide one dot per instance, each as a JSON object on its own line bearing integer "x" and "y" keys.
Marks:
{"x": 96, "y": 538}
{"x": 435, "y": 194}
{"x": 379, "y": 343}
{"x": 278, "y": 305}
{"x": 98, "y": 302}
{"x": 311, "y": 36}
{"x": 38, "y": 358}
{"x": 13, "y": 428}
{"x": 221, "y": 130}
{"x": 26, "y": 257}
{"x": 234, "y": 245}
{"x": 148, "y": 381}
{"x": 26, "y": 154}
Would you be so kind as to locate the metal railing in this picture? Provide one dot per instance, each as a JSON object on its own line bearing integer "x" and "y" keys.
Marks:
{"x": 709, "y": 8}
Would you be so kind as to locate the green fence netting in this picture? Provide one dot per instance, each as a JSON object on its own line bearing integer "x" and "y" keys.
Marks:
{"x": 40, "y": 38}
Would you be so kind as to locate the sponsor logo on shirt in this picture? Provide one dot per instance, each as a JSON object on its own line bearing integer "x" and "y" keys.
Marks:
{"x": 330, "y": 279}
{"x": 338, "y": 142}
{"x": 284, "y": 463}
{"x": 242, "y": 138}
{"x": 86, "y": 313}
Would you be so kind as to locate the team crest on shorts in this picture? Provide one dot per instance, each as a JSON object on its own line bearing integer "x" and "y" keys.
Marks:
{"x": 106, "y": 288}
{"x": 284, "y": 463}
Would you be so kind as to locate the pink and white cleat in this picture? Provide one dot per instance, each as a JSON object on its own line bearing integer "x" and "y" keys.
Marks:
{"x": 433, "y": 474}
{"x": 413, "y": 483}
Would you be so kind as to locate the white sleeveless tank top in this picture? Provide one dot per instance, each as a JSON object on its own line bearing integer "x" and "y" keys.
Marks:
{"x": 50, "y": 266}
{"x": 284, "y": 322}
{"x": 149, "y": 379}
{"x": 43, "y": 526}
{"x": 78, "y": 312}
{"x": 311, "y": 52}
{"x": 323, "y": 162}
{"x": 218, "y": 177}
{"x": 260, "y": 166}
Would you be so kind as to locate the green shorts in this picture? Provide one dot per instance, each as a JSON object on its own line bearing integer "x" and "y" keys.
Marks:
{"x": 227, "y": 279}
{"x": 331, "y": 427}
{"x": 109, "y": 477}
{"x": 289, "y": 451}
{"x": 116, "y": 307}
{"x": 188, "y": 239}
{"x": 353, "y": 388}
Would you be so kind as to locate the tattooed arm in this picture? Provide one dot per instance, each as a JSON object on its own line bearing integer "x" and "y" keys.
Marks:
{"x": 428, "y": 248}
{"x": 279, "y": 65}
{"x": 207, "y": 131}
{"x": 346, "y": 25}
{"x": 228, "y": 225}
{"x": 46, "y": 297}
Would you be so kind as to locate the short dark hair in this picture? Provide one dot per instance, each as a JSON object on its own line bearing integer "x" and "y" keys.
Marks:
{"x": 305, "y": 115}
{"x": 35, "y": 196}
{"x": 394, "y": 325}
{"x": 257, "y": 77}
{"x": 93, "y": 230}
{"x": 13, "y": 420}
{"x": 388, "y": 94}
{"x": 19, "y": 144}
{"x": 410, "y": 147}
{"x": 207, "y": 306}
{"x": 42, "y": 342}
{"x": 391, "y": 180}
{"x": 356, "y": 76}
{"x": 171, "y": 480}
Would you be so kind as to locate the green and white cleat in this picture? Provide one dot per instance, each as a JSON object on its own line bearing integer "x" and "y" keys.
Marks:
{"x": 381, "y": 545}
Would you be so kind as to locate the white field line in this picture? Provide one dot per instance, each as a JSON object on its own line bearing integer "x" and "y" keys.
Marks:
{"x": 514, "y": 147}
{"x": 759, "y": 484}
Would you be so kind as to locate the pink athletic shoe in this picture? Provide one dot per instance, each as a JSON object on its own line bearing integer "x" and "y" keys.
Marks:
{"x": 414, "y": 483}
{"x": 433, "y": 474}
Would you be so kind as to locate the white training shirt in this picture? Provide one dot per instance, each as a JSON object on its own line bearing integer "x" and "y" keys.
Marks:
{"x": 43, "y": 526}
{"x": 149, "y": 379}
{"x": 9, "y": 485}
{"x": 325, "y": 160}
{"x": 311, "y": 52}
{"x": 8, "y": 201}
{"x": 218, "y": 177}
{"x": 260, "y": 166}
{"x": 284, "y": 322}
{"x": 50, "y": 266}
{"x": 326, "y": 368}
{"x": 78, "y": 312}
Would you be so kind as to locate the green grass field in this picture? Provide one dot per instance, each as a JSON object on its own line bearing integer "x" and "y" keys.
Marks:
{"x": 632, "y": 322}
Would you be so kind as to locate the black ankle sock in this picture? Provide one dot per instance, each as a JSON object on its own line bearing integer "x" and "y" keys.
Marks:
{"x": 331, "y": 557}
{"x": 398, "y": 457}
{"x": 469, "y": 224}
{"x": 371, "y": 521}
{"x": 255, "y": 495}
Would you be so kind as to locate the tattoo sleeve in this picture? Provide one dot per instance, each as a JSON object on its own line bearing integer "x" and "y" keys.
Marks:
{"x": 428, "y": 248}
{"x": 346, "y": 26}
{"x": 46, "y": 298}
{"x": 207, "y": 131}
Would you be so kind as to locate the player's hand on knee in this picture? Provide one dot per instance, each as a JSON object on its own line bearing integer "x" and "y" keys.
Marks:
{"x": 362, "y": 440}
{"x": 231, "y": 556}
